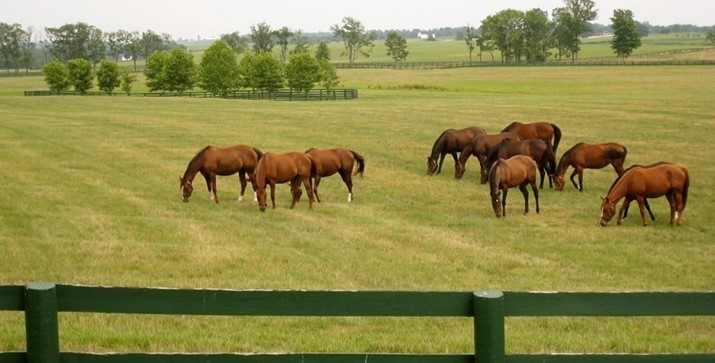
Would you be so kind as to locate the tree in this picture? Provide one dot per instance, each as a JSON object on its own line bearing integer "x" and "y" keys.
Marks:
{"x": 471, "y": 39}
{"x": 537, "y": 36}
{"x": 80, "y": 71}
{"x": 155, "y": 70}
{"x": 72, "y": 41}
{"x": 580, "y": 13}
{"x": 301, "y": 43}
{"x": 625, "y": 33}
{"x": 218, "y": 72}
{"x": 108, "y": 76}
{"x": 27, "y": 48}
{"x": 322, "y": 53}
{"x": 355, "y": 37}
{"x": 396, "y": 46}
{"x": 302, "y": 72}
{"x": 235, "y": 42}
{"x": 283, "y": 36}
{"x": 328, "y": 74}
{"x": 180, "y": 71}
{"x": 149, "y": 42}
{"x": 710, "y": 35}
{"x": 96, "y": 48}
{"x": 10, "y": 48}
{"x": 262, "y": 37}
{"x": 261, "y": 71}
{"x": 117, "y": 43}
{"x": 57, "y": 76}
{"x": 506, "y": 30}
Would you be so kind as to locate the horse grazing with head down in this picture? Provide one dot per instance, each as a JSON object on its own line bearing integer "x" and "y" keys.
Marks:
{"x": 450, "y": 142}
{"x": 293, "y": 167}
{"x": 537, "y": 149}
{"x": 537, "y": 130}
{"x": 517, "y": 171}
{"x": 480, "y": 146}
{"x": 589, "y": 156}
{"x": 643, "y": 182}
{"x": 212, "y": 161}
{"x": 341, "y": 161}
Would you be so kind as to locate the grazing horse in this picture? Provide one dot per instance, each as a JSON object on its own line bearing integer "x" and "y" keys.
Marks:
{"x": 537, "y": 149}
{"x": 480, "y": 146}
{"x": 293, "y": 167}
{"x": 341, "y": 161}
{"x": 451, "y": 142}
{"x": 589, "y": 156}
{"x": 518, "y": 170}
{"x": 537, "y": 130}
{"x": 212, "y": 161}
{"x": 651, "y": 181}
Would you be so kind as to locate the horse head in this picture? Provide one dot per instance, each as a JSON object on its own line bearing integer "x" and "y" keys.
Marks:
{"x": 608, "y": 209}
{"x": 261, "y": 196}
{"x": 186, "y": 189}
{"x": 431, "y": 165}
{"x": 558, "y": 182}
{"x": 496, "y": 203}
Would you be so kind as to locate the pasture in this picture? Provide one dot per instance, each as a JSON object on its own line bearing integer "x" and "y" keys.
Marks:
{"x": 90, "y": 196}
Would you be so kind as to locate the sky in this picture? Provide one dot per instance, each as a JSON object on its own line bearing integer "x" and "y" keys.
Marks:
{"x": 209, "y": 19}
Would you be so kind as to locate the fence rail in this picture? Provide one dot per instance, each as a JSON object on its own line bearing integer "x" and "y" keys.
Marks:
{"x": 280, "y": 95}
{"x": 41, "y": 303}
{"x": 580, "y": 63}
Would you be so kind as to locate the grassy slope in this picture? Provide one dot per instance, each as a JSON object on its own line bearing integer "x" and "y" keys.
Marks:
{"x": 90, "y": 197}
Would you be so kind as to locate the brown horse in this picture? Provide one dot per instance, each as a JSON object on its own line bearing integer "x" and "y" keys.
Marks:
{"x": 480, "y": 146}
{"x": 538, "y": 130}
{"x": 518, "y": 170}
{"x": 589, "y": 156}
{"x": 651, "y": 181}
{"x": 341, "y": 161}
{"x": 293, "y": 167}
{"x": 537, "y": 149}
{"x": 451, "y": 142}
{"x": 212, "y": 161}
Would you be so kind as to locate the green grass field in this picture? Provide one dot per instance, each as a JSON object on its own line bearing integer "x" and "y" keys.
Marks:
{"x": 90, "y": 196}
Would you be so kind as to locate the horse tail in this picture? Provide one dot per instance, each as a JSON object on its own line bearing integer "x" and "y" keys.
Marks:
{"x": 686, "y": 185}
{"x": 360, "y": 161}
{"x": 551, "y": 159}
{"x": 557, "y": 136}
{"x": 259, "y": 153}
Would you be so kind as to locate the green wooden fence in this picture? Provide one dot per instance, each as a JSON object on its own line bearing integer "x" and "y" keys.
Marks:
{"x": 41, "y": 303}
{"x": 317, "y": 94}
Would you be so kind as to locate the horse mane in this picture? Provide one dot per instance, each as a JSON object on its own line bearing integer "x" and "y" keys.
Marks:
{"x": 437, "y": 147}
{"x": 630, "y": 168}
{"x": 566, "y": 157}
{"x": 494, "y": 152}
{"x": 260, "y": 171}
{"x": 510, "y": 126}
{"x": 193, "y": 164}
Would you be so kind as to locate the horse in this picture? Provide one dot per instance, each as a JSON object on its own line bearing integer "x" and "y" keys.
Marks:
{"x": 480, "y": 146}
{"x": 293, "y": 167}
{"x": 341, "y": 161}
{"x": 518, "y": 170}
{"x": 537, "y": 149}
{"x": 212, "y": 161}
{"x": 589, "y": 156}
{"x": 450, "y": 141}
{"x": 651, "y": 181}
{"x": 538, "y": 130}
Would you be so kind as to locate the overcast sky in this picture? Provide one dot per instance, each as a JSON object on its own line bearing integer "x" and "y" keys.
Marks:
{"x": 211, "y": 18}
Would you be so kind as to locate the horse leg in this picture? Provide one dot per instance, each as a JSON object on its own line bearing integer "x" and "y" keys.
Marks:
{"x": 503, "y": 202}
{"x": 242, "y": 180}
{"x": 671, "y": 201}
{"x": 536, "y": 196}
{"x": 273, "y": 193}
{"x": 456, "y": 164}
{"x": 207, "y": 177}
{"x": 641, "y": 206}
{"x": 525, "y": 193}
{"x": 347, "y": 178}
{"x": 647, "y": 207}
{"x": 678, "y": 197}
{"x": 483, "y": 169}
{"x": 254, "y": 184}
{"x": 542, "y": 174}
{"x": 573, "y": 175}
{"x": 580, "y": 179}
{"x": 624, "y": 207}
{"x": 213, "y": 188}
{"x": 309, "y": 190}
{"x": 315, "y": 188}
{"x": 441, "y": 160}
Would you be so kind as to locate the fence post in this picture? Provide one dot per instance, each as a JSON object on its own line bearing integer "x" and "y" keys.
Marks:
{"x": 489, "y": 327}
{"x": 43, "y": 341}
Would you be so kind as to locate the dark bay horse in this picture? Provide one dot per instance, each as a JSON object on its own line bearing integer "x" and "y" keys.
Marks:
{"x": 537, "y": 130}
{"x": 293, "y": 167}
{"x": 212, "y": 161}
{"x": 480, "y": 146}
{"x": 651, "y": 181}
{"x": 589, "y": 156}
{"x": 450, "y": 142}
{"x": 537, "y": 149}
{"x": 517, "y": 171}
{"x": 341, "y": 161}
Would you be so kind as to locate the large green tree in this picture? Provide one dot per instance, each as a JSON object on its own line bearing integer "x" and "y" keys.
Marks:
{"x": 180, "y": 71}
{"x": 471, "y": 38}
{"x": 537, "y": 36}
{"x": 625, "y": 33}
{"x": 57, "y": 76}
{"x": 396, "y": 46}
{"x": 576, "y": 16}
{"x": 73, "y": 41}
{"x": 81, "y": 76}
{"x": 302, "y": 72}
{"x": 357, "y": 40}
{"x": 218, "y": 72}
{"x": 506, "y": 30}
{"x": 283, "y": 36}
{"x": 261, "y": 71}
{"x": 155, "y": 70}
{"x": 262, "y": 37}
{"x": 235, "y": 41}
{"x": 323, "y": 52}
{"x": 710, "y": 35}
{"x": 108, "y": 76}
{"x": 11, "y": 36}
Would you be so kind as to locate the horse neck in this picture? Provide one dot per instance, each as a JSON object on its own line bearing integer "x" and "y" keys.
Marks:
{"x": 438, "y": 145}
{"x": 619, "y": 188}
{"x": 494, "y": 177}
{"x": 563, "y": 164}
{"x": 194, "y": 166}
{"x": 261, "y": 172}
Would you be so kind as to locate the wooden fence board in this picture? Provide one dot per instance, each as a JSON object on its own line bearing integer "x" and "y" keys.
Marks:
{"x": 610, "y": 358}
{"x": 12, "y": 298}
{"x": 263, "y": 358}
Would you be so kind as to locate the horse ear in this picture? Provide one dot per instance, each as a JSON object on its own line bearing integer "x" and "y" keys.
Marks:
{"x": 603, "y": 199}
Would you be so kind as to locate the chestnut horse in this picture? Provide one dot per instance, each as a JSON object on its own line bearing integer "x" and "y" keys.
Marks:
{"x": 643, "y": 182}
{"x": 293, "y": 167}
{"x": 589, "y": 156}
{"x": 341, "y": 161}
{"x": 537, "y": 130}
{"x": 212, "y": 161}
{"x": 451, "y": 142}
{"x": 480, "y": 146}
{"x": 537, "y": 149}
{"x": 518, "y": 170}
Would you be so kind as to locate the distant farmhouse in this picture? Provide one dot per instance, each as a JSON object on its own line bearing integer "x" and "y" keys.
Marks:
{"x": 426, "y": 36}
